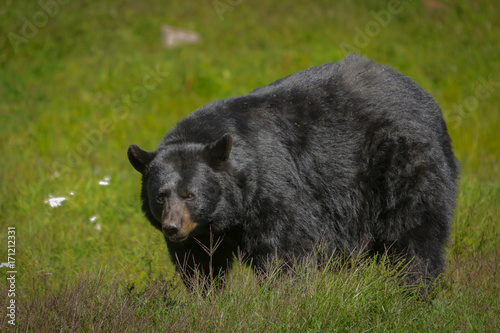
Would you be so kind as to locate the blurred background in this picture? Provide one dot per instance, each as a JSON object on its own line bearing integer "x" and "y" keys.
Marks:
{"x": 82, "y": 80}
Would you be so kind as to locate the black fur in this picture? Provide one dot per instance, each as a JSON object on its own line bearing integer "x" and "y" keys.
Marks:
{"x": 352, "y": 154}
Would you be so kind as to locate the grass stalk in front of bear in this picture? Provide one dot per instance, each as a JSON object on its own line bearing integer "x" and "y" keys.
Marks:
{"x": 215, "y": 280}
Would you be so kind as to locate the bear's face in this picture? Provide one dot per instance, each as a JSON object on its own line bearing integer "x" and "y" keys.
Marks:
{"x": 182, "y": 185}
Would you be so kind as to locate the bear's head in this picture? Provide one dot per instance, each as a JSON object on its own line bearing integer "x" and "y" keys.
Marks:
{"x": 182, "y": 185}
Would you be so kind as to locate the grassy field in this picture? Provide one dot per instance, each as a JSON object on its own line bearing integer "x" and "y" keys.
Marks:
{"x": 76, "y": 91}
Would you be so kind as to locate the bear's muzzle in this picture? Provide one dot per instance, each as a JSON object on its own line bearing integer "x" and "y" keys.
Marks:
{"x": 177, "y": 223}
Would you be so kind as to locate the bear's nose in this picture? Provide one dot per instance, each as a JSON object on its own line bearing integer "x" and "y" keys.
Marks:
{"x": 170, "y": 229}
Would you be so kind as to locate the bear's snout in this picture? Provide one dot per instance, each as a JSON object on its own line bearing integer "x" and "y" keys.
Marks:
{"x": 176, "y": 221}
{"x": 170, "y": 229}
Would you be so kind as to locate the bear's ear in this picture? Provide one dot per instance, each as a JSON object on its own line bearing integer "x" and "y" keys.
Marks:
{"x": 217, "y": 153}
{"x": 139, "y": 158}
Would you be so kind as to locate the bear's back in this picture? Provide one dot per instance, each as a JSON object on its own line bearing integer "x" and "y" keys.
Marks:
{"x": 344, "y": 96}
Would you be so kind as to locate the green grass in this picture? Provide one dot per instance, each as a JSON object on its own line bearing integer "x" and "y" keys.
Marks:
{"x": 66, "y": 122}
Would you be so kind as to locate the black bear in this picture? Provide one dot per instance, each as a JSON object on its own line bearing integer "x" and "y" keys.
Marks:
{"x": 352, "y": 154}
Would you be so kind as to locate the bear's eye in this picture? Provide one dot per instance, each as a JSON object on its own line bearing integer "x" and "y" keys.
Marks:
{"x": 161, "y": 198}
{"x": 188, "y": 196}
